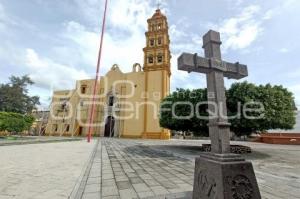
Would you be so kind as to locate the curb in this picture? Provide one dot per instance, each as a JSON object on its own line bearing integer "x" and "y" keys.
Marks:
{"x": 79, "y": 187}
{"x": 37, "y": 142}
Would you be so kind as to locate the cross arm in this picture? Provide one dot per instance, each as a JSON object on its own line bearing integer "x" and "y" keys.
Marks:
{"x": 194, "y": 63}
{"x": 235, "y": 70}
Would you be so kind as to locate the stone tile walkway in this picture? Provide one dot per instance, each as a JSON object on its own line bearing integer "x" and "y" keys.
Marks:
{"x": 127, "y": 169}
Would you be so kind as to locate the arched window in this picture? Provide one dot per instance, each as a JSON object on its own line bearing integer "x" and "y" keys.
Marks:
{"x": 152, "y": 28}
{"x": 160, "y": 58}
{"x": 152, "y": 42}
{"x": 150, "y": 59}
{"x": 136, "y": 65}
{"x": 159, "y": 41}
{"x": 83, "y": 89}
{"x": 67, "y": 127}
{"x": 159, "y": 27}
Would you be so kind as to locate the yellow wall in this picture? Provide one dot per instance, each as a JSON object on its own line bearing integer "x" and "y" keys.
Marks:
{"x": 149, "y": 86}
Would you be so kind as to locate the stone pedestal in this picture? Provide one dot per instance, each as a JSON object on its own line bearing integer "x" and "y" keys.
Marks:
{"x": 224, "y": 176}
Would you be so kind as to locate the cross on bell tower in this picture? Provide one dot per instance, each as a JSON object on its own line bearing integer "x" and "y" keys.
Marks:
{"x": 158, "y": 4}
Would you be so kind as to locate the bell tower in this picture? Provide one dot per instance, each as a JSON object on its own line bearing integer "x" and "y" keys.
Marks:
{"x": 157, "y": 54}
{"x": 157, "y": 68}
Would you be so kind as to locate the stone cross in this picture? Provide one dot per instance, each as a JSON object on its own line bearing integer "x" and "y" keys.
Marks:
{"x": 215, "y": 69}
{"x": 158, "y": 4}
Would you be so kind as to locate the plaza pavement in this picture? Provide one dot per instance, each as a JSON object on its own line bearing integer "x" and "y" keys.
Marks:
{"x": 124, "y": 168}
{"x": 37, "y": 140}
{"x": 127, "y": 169}
{"x": 42, "y": 171}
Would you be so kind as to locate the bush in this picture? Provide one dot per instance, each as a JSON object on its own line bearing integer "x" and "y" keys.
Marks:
{"x": 15, "y": 122}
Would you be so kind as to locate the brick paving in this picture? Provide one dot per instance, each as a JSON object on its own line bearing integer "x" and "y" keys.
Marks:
{"x": 125, "y": 169}
{"x": 128, "y": 169}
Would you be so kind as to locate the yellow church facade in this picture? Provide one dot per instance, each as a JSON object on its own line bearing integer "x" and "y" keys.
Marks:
{"x": 127, "y": 104}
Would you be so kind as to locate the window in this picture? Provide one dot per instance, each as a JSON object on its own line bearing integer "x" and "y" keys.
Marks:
{"x": 152, "y": 28}
{"x": 83, "y": 89}
{"x": 55, "y": 127}
{"x": 159, "y": 26}
{"x": 64, "y": 106}
{"x": 159, "y": 41}
{"x": 150, "y": 59}
{"x": 152, "y": 42}
{"x": 80, "y": 131}
{"x": 67, "y": 127}
{"x": 160, "y": 58}
{"x": 111, "y": 101}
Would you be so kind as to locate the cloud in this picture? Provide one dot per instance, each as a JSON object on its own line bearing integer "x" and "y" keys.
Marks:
{"x": 125, "y": 51}
{"x": 72, "y": 51}
{"x": 122, "y": 13}
{"x": 284, "y": 50}
{"x": 175, "y": 33}
{"x": 124, "y": 38}
{"x": 123, "y": 41}
{"x": 241, "y": 31}
{"x": 48, "y": 74}
{"x": 178, "y": 77}
{"x": 3, "y": 18}
{"x": 2, "y": 13}
{"x": 78, "y": 44}
{"x": 130, "y": 14}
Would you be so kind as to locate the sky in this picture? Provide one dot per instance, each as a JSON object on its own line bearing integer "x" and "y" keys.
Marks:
{"x": 56, "y": 42}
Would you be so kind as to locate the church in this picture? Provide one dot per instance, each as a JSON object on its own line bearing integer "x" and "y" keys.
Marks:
{"x": 127, "y": 104}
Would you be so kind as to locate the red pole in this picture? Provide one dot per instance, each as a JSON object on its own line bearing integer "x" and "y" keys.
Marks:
{"x": 92, "y": 113}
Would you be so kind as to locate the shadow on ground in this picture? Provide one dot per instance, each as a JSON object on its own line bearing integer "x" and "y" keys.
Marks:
{"x": 142, "y": 151}
{"x": 195, "y": 151}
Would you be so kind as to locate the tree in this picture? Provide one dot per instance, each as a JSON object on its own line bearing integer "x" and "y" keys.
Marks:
{"x": 274, "y": 109}
{"x": 194, "y": 124}
{"x": 275, "y": 104}
{"x": 14, "y": 96}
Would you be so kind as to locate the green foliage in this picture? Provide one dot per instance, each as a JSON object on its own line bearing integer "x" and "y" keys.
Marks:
{"x": 278, "y": 109}
{"x": 237, "y": 96}
{"x": 29, "y": 119}
{"x": 195, "y": 125}
{"x": 15, "y": 122}
{"x": 14, "y": 96}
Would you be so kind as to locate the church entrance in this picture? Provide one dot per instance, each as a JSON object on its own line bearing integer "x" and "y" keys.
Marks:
{"x": 109, "y": 127}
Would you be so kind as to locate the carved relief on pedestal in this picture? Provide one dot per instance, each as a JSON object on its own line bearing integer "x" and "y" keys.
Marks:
{"x": 207, "y": 184}
{"x": 241, "y": 187}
